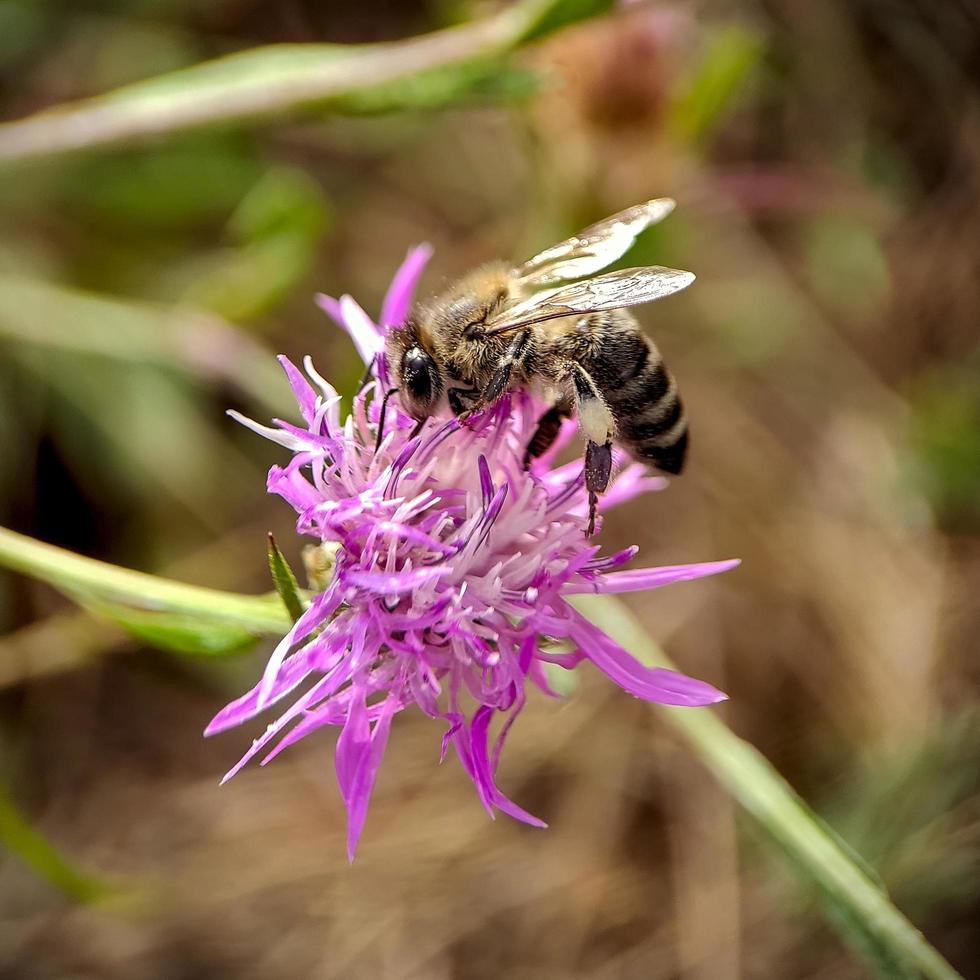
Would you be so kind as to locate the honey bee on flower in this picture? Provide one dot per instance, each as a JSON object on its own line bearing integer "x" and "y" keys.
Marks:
{"x": 452, "y": 566}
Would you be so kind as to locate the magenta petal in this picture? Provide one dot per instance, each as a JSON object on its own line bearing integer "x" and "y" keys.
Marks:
{"x": 638, "y": 579}
{"x": 394, "y": 582}
{"x": 359, "y": 326}
{"x": 379, "y": 743}
{"x": 320, "y": 610}
{"x": 353, "y": 747}
{"x": 360, "y": 750}
{"x": 486, "y": 481}
{"x": 362, "y": 329}
{"x": 634, "y": 481}
{"x": 293, "y": 487}
{"x": 328, "y": 713}
{"x": 314, "y": 694}
{"x": 353, "y": 741}
{"x": 302, "y": 389}
{"x": 331, "y": 307}
{"x": 611, "y": 561}
{"x": 483, "y": 774}
{"x": 292, "y": 673}
{"x": 332, "y": 711}
{"x": 398, "y": 299}
{"x": 649, "y": 683}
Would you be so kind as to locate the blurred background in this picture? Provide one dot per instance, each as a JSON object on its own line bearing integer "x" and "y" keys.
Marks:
{"x": 826, "y": 161}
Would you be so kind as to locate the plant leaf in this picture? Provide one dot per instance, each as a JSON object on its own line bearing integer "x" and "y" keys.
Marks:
{"x": 44, "y": 859}
{"x": 481, "y": 79}
{"x": 285, "y": 581}
{"x": 173, "y": 631}
{"x": 731, "y": 57}
{"x": 268, "y": 81}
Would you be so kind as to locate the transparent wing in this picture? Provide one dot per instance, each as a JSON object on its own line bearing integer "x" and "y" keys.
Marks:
{"x": 612, "y": 291}
{"x": 595, "y": 247}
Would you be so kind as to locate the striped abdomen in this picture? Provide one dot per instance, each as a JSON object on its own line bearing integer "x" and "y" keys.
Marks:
{"x": 642, "y": 395}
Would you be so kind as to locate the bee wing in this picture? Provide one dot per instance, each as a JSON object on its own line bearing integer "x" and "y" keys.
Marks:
{"x": 612, "y": 291}
{"x": 595, "y": 247}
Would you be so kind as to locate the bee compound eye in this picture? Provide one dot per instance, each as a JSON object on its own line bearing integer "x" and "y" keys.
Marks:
{"x": 417, "y": 370}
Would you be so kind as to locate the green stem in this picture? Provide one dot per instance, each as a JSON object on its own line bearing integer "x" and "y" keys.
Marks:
{"x": 889, "y": 940}
{"x": 73, "y": 573}
{"x": 267, "y": 81}
{"x": 34, "y": 850}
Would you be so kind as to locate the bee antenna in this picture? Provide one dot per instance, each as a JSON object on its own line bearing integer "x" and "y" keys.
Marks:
{"x": 381, "y": 417}
{"x": 368, "y": 371}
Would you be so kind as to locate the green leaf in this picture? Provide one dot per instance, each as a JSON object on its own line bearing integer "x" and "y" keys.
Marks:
{"x": 284, "y": 201}
{"x": 553, "y": 16}
{"x": 173, "y": 631}
{"x": 184, "y": 186}
{"x": 483, "y": 79}
{"x": 285, "y": 581}
{"x": 278, "y": 225}
{"x": 44, "y": 859}
{"x": 728, "y": 61}
{"x": 268, "y": 81}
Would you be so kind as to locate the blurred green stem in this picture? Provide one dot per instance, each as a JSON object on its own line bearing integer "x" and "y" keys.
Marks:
{"x": 35, "y": 851}
{"x": 856, "y": 904}
{"x": 266, "y": 81}
{"x": 257, "y": 614}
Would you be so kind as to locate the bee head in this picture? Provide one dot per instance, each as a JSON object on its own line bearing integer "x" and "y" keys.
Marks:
{"x": 416, "y": 373}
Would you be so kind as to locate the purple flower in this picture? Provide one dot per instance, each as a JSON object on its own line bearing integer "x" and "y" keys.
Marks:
{"x": 452, "y": 570}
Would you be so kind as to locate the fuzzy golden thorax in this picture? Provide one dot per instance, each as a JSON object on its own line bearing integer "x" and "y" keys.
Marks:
{"x": 442, "y": 344}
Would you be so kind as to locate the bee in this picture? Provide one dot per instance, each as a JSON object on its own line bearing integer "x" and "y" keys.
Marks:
{"x": 554, "y": 325}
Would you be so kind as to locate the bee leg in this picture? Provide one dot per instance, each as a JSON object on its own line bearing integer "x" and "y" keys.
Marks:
{"x": 516, "y": 350}
{"x": 514, "y": 354}
{"x": 549, "y": 425}
{"x": 598, "y": 467}
{"x": 461, "y": 399}
{"x": 597, "y": 423}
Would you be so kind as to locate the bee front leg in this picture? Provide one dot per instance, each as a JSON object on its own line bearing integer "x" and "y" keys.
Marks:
{"x": 461, "y": 400}
{"x": 514, "y": 354}
{"x": 597, "y": 423}
{"x": 500, "y": 380}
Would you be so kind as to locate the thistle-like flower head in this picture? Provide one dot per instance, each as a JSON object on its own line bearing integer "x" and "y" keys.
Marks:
{"x": 452, "y": 571}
